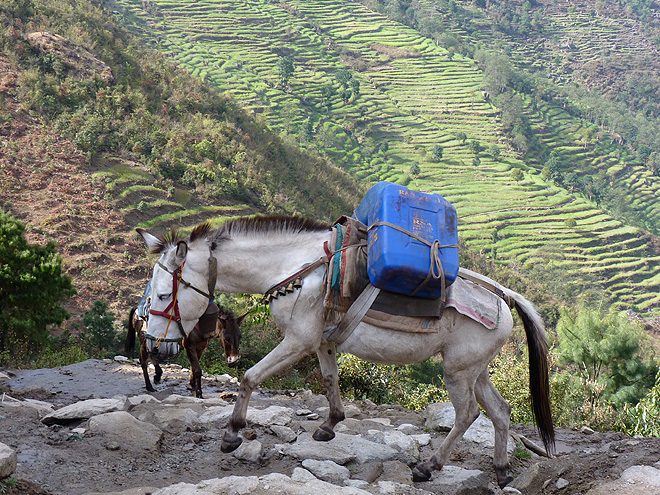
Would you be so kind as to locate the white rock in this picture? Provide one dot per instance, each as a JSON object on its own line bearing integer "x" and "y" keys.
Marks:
{"x": 250, "y": 451}
{"x": 8, "y": 459}
{"x": 130, "y": 433}
{"x": 85, "y": 409}
{"x": 327, "y": 471}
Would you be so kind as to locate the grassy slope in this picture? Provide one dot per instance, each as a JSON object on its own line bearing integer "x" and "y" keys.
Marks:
{"x": 413, "y": 97}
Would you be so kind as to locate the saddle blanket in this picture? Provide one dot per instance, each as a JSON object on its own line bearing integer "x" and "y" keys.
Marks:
{"x": 466, "y": 297}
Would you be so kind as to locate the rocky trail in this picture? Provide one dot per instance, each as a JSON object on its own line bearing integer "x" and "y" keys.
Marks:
{"x": 90, "y": 428}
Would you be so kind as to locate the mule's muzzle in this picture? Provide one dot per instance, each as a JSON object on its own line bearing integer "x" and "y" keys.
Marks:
{"x": 232, "y": 361}
{"x": 163, "y": 349}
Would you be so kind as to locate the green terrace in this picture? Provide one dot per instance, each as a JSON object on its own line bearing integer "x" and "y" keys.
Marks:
{"x": 413, "y": 97}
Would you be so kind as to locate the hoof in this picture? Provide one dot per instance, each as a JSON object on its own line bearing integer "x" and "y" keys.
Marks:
{"x": 420, "y": 474}
{"x": 323, "y": 435}
{"x": 228, "y": 446}
{"x": 150, "y": 389}
{"x": 503, "y": 478}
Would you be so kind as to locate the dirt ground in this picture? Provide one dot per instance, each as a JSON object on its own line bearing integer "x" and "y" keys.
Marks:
{"x": 55, "y": 460}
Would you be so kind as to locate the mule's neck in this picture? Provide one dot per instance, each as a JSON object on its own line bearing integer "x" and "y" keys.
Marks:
{"x": 251, "y": 264}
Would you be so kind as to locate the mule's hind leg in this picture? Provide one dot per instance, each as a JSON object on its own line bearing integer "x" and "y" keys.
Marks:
{"x": 284, "y": 355}
{"x": 461, "y": 393}
{"x": 499, "y": 412}
{"x": 159, "y": 371}
{"x": 330, "y": 373}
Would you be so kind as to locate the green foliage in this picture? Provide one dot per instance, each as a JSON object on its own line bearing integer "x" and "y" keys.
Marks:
{"x": 98, "y": 329}
{"x": 643, "y": 418}
{"x": 517, "y": 174}
{"x": 8, "y": 484}
{"x": 32, "y": 288}
{"x": 412, "y": 386}
{"x": 438, "y": 151}
{"x": 607, "y": 349}
{"x": 284, "y": 69}
{"x": 415, "y": 169}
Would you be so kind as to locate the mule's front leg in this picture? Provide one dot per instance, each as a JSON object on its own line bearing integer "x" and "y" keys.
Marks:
{"x": 330, "y": 373}
{"x": 284, "y": 355}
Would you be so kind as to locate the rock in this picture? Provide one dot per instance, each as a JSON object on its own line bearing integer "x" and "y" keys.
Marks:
{"x": 524, "y": 481}
{"x": 30, "y": 407}
{"x": 636, "y": 480}
{"x": 561, "y": 483}
{"x": 453, "y": 480}
{"x": 264, "y": 485}
{"x": 121, "y": 359}
{"x": 142, "y": 399}
{"x": 272, "y": 415}
{"x": 342, "y": 449}
{"x": 586, "y": 430}
{"x": 284, "y": 433}
{"x": 399, "y": 441}
{"x": 171, "y": 419}
{"x": 397, "y": 472}
{"x": 327, "y": 471}
{"x": 300, "y": 474}
{"x": 441, "y": 416}
{"x": 84, "y": 410}
{"x": 130, "y": 433}
{"x": 250, "y": 451}
{"x": 8, "y": 459}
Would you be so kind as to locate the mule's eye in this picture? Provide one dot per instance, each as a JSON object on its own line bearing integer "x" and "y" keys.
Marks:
{"x": 162, "y": 297}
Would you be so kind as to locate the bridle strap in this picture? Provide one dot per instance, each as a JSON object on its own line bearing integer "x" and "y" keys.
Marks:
{"x": 171, "y": 312}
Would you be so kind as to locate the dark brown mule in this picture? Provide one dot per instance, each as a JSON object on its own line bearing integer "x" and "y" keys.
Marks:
{"x": 221, "y": 324}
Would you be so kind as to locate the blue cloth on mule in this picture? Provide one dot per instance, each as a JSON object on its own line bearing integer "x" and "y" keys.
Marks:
{"x": 143, "y": 305}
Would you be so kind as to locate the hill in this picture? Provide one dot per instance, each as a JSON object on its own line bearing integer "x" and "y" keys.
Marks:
{"x": 584, "y": 205}
{"x": 380, "y": 99}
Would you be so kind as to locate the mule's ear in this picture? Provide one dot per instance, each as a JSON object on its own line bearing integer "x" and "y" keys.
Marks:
{"x": 240, "y": 319}
{"x": 152, "y": 241}
{"x": 181, "y": 250}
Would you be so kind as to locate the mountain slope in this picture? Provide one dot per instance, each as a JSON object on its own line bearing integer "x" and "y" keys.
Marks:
{"x": 415, "y": 96}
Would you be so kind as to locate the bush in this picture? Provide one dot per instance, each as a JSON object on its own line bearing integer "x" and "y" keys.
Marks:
{"x": 383, "y": 384}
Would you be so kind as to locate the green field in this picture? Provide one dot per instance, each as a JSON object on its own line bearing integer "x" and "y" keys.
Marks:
{"x": 414, "y": 96}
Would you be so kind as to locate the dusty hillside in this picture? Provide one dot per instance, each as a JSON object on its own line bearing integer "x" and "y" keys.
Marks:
{"x": 48, "y": 185}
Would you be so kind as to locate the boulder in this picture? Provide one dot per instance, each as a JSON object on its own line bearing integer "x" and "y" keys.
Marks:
{"x": 130, "y": 433}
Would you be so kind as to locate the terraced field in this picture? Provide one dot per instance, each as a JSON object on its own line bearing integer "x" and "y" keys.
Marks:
{"x": 413, "y": 96}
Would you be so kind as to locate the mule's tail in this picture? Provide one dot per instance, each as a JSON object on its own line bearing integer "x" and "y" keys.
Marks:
{"x": 129, "y": 345}
{"x": 539, "y": 385}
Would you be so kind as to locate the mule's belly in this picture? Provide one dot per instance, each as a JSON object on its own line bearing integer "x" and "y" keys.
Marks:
{"x": 384, "y": 346}
{"x": 461, "y": 341}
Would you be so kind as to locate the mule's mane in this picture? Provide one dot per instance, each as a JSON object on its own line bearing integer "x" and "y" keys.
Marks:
{"x": 174, "y": 236}
{"x": 165, "y": 240}
{"x": 264, "y": 224}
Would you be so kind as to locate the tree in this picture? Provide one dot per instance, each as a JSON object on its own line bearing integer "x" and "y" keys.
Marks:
{"x": 284, "y": 69}
{"x": 475, "y": 147}
{"x": 98, "y": 327}
{"x": 32, "y": 287}
{"x": 327, "y": 92}
{"x": 607, "y": 348}
{"x": 415, "y": 169}
{"x": 462, "y": 137}
{"x": 494, "y": 151}
{"x": 517, "y": 174}
{"x": 438, "y": 151}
